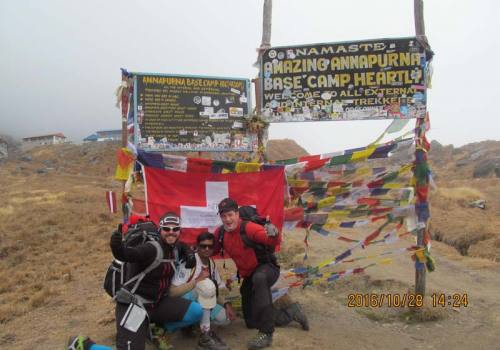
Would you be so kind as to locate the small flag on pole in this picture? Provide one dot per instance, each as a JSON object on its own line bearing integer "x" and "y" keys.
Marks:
{"x": 111, "y": 201}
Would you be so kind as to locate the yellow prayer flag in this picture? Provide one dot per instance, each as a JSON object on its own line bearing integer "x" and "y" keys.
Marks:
{"x": 363, "y": 171}
{"x": 123, "y": 173}
{"x": 324, "y": 263}
{"x": 297, "y": 183}
{"x": 125, "y": 163}
{"x": 332, "y": 191}
{"x": 331, "y": 223}
{"x": 247, "y": 167}
{"x": 316, "y": 282}
{"x": 362, "y": 155}
{"x": 325, "y": 202}
{"x": 420, "y": 256}
{"x": 338, "y": 214}
{"x": 393, "y": 185}
{"x": 386, "y": 261}
{"x": 405, "y": 168}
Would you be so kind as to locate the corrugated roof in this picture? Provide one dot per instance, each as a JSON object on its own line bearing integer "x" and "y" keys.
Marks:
{"x": 59, "y": 134}
{"x": 92, "y": 137}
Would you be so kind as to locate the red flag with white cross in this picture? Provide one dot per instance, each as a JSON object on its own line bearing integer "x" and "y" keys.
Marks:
{"x": 195, "y": 196}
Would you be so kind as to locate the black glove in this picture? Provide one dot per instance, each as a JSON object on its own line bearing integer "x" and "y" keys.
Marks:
{"x": 116, "y": 239}
{"x": 186, "y": 255}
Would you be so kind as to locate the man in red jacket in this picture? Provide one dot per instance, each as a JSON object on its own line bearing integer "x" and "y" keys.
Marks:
{"x": 251, "y": 246}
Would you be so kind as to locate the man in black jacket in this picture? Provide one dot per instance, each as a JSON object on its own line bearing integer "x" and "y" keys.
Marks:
{"x": 154, "y": 287}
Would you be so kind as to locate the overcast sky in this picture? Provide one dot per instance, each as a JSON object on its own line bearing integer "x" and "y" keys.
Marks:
{"x": 60, "y": 60}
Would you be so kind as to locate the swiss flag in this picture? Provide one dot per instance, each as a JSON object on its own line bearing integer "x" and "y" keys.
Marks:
{"x": 195, "y": 196}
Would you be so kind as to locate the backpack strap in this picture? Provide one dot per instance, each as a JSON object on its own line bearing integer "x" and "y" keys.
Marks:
{"x": 221, "y": 244}
{"x": 263, "y": 253}
{"x": 247, "y": 241}
{"x": 211, "y": 272}
{"x": 221, "y": 239}
{"x": 156, "y": 262}
{"x": 191, "y": 274}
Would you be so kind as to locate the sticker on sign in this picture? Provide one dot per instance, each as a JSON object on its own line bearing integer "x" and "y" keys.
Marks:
{"x": 236, "y": 112}
{"x": 216, "y": 116}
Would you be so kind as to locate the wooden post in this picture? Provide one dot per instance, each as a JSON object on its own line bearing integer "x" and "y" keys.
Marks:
{"x": 266, "y": 24}
{"x": 125, "y": 109}
{"x": 265, "y": 43}
{"x": 418, "y": 7}
{"x": 124, "y": 99}
{"x": 258, "y": 95}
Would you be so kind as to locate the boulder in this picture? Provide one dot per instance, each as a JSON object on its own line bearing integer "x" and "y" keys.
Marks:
{"x": 487, "y": 168}
{"x": 436, "y": 146}
{"x": 26, "y": 158}
{"x": 462, "y": 162}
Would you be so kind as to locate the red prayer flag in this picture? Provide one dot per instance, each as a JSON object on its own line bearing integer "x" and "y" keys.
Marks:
{"x": 315, "y": 164}
{"x": 124, "y": 157}
{"x": 371, "y": 202}
{"x": 294, "y": 214}
{"x": 201, "y": 165}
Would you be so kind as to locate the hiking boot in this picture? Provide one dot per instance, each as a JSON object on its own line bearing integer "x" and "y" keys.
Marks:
{"x": 218, "y": 340}
{"x": 207, "y": 342}
{"x": 295, "y": 311}
{"x": 79, "y": 342}
{"x": 159, "y": 338}
{"x": 260, "y": 341}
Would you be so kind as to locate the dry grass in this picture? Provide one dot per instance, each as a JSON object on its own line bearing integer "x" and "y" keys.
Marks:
{"x": 463, "y": 241}
{"x": 457, "y": 195}
{"x": 463, "y": 227}
{"x": 38, "y": 261}
{"x": 6, "y": 210}
{"x": 488, "y": 249}
{"x": 426, "y": 313}
{"x": 45, "y": 198}
{"x": 291, "y": 253}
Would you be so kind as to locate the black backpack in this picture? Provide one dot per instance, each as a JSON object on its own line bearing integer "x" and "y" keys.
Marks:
{"x": 264, "y": 253}
{"x": 129, "y": 275}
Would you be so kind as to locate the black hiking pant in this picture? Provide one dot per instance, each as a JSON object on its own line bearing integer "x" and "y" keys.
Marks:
{"x": 169, "y": 309}
{"x": 256, "y": 299}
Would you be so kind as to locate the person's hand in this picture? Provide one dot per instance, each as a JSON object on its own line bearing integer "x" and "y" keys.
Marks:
{"x": 230, "y": 314}
{"x": 116, "y": 239}
{"x": 204, "y": 274}
{"x": 271, "y": 230}
{"x": 229, "y": 284}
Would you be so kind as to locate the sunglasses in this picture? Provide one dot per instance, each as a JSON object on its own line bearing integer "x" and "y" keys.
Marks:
{"x": 171, "y": 229}
{"x": 205, "y": 246}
